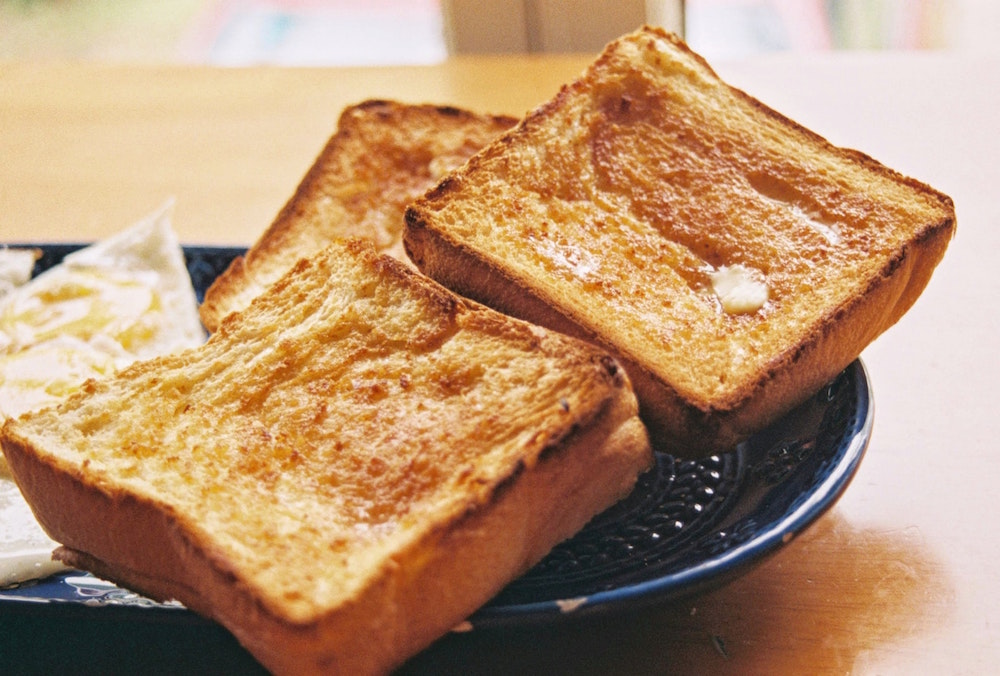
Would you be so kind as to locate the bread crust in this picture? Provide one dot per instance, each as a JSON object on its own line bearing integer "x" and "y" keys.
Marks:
{"x": 395, "y": 617}
{"x": 684, "y": 425}
{"x": 501, "y": 515}
{"x": 382, "y": 155}
{"x": 689, "y": 407}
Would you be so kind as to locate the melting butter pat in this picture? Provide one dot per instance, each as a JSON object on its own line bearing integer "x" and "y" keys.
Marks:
{"x": 740, "y": 289}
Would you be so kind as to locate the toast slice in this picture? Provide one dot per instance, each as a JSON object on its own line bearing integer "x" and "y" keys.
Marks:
{"x": 346, "y": 469}
{"x": 732, "y": 260}
{"x": 383, "y": 155}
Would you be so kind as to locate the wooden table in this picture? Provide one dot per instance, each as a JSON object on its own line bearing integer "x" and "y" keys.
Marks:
{"x": 900, "y": 577}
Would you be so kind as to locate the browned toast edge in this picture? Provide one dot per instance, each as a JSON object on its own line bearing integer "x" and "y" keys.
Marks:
{"x": 686, "y": 426}
{"x": 219, "y": 297}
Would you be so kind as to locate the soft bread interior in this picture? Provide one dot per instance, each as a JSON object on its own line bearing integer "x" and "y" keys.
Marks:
{"x": 613, "y": 210}
{"x": 344, "y": 471}
{"x": 383, "y": 155}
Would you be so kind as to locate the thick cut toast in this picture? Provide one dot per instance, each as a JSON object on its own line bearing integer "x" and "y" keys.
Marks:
{"x": 383, "y": 155}
{"x": 345, "y": 471}
{"x": 732, "y": 260}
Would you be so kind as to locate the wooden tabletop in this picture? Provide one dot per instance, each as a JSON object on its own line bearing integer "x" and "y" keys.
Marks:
{"x": 900, "y": 577}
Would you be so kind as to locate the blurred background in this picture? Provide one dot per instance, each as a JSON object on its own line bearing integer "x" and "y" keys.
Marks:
{"x": 380, "y": 32}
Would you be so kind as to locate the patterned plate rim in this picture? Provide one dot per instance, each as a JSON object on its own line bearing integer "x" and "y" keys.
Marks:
{"x": 713, "y": 571}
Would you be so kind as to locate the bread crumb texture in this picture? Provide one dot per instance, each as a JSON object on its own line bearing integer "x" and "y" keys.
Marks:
{"x": 348, "y": 410}
{"x": 383, "y": 155}
{"x": 620, "y": 198}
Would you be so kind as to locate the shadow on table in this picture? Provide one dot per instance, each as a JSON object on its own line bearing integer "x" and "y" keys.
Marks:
{"x": 826, "y": 599}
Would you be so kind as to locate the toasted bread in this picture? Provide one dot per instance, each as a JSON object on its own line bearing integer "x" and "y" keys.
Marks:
{"x": 732, "y": 260}
{"x": 346, "y": 469}
{"x": 383, "y": 155}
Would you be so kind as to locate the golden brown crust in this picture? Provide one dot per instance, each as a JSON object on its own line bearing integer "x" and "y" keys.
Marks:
{"x": 605, "y": 213}
{"x": 542, "y": 505}
{"x": 382, "y": 155}
{"x": 344, "y": 472}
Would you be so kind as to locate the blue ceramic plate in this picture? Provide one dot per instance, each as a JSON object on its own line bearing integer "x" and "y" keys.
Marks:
{"x": 688, "y": 525}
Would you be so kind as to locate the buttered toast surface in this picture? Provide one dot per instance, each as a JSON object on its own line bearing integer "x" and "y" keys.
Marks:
{"x": 382, "y": 155}
{"x": 344, "y": 471}
{"x": 731, "y": 259}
